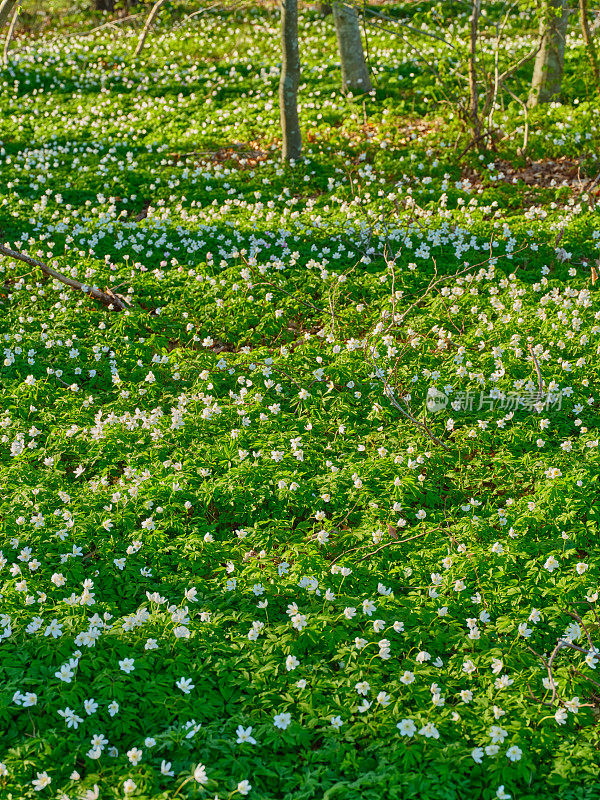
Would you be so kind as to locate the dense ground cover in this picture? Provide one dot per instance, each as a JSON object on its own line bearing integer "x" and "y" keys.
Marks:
{"x": 240, "y": 553}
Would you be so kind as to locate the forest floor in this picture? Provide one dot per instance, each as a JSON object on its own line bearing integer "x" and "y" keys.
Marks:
{"x": 316, "y": 516}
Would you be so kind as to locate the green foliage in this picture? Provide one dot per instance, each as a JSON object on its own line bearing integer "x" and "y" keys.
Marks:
{"x": 237, "y": 483}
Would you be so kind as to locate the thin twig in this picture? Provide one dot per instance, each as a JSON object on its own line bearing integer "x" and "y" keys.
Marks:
{"x": 390, "y": 394}
{"x": 520, "y": 63}
{"x": 526, "y": 120}
{"x": 582, "y": 623}
{"x": 208, "y": 8}
{"x": 394, "y": 541}
{"x": 575, "y": 646}
{"x": 112, "y": 23}
{"x": 538, "y": 699}
{"x": 388, "y": 389}
{"x": 360, "y": 547}
{"x": 548, "y": 664}
{"x": 591, "y": 607}
{"x": 410, "y": 27}
{"x": 538, "y": 371}
{"x": 587, "y": 677}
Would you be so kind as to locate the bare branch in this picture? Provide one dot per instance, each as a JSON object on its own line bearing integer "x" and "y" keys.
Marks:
{"x": 395, "y": 541}
{"x": 110, "y": 300}
{"x": 538, "y": 371}
{"x": 582, "y": 623}
{"x": 409, "y": 27}
{"x": 587, "y": 677}
{"x": 526, "y": 121}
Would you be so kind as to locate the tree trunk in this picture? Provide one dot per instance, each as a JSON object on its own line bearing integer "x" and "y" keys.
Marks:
{"x": 473, "y": 113}
{"x": 548, "y": 69}
{"x": 355, "y": 74}
{"x": 323, "y": 9}
{"x": 7, "y": 8}
{"x": 9, "y": 35}
{"x": 589, "y": 41}
{"x": 151, "y": 17}
{"x": 290, "y": 79}
{"x": 103, "y": 5}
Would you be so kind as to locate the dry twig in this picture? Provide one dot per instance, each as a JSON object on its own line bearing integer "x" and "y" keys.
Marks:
{"x": 538, "y": 371}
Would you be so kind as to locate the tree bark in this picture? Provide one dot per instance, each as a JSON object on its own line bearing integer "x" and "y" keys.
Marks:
{"x": 355, "y": 74}
{"x": 103, "y": 5}
{"x": 473, "y": 112}
{"x": 147, "y": 26}
{"x": 7, "y": 8}
{"x": 549, "y": 63}
{"x": 9, "y": 35}
{"x": 589, "y": 41}
{"x": 289, "y": 82}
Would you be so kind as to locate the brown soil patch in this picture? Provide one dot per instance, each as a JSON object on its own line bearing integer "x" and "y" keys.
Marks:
{"x": 544, "y": 173}
{"x": 237, "y": 155}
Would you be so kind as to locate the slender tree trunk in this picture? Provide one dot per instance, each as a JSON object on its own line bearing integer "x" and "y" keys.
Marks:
{"x": 473, "y": 112}
{"x": 355, "y": 74}
{"x": 7, "y": 8}
{"x": 324, "y": 9}
{"x": 548, "y": 69}
{"x": 9, "y": 35}
{"x": 147, "y": 26}
{"x": 589, "y": 41}
{"x": 290, "y": 79}
{"x": 103, "y": 5}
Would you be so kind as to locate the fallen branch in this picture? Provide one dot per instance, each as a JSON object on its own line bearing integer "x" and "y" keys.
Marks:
{"x": 387, "y": 544}
{"x": 110, "y": 300}
{"x": 395, "y": 541}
